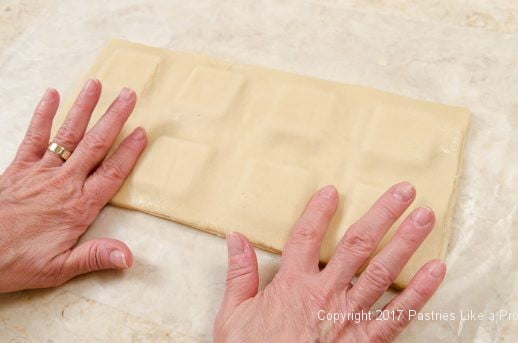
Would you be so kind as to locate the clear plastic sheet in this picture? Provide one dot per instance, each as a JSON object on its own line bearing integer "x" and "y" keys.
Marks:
{"x": 178, "y": 278}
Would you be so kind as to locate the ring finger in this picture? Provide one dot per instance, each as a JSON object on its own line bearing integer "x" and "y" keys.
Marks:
{"x": 363, "y": 237}
{"x": 388, "y": 263}
{"x": 73, "y": 128}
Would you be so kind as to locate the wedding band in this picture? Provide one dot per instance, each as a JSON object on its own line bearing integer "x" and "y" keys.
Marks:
{"x": 59, "y": 150}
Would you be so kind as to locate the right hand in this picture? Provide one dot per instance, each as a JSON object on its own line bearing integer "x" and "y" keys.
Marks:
{"x": 291, "y": 307}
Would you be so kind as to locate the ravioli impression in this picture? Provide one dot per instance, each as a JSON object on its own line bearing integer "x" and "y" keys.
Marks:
{"x": 235, "y": 147}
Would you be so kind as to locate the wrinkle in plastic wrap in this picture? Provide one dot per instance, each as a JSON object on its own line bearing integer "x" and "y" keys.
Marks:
{"x": 177, "y": 280}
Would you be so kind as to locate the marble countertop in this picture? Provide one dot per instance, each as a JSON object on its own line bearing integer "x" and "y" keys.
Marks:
{"x": 447, "y": 51}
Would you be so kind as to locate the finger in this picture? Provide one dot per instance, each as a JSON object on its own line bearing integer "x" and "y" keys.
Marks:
{"x": 242, "y": 273}
{"x": 96, "y": 254}
{"x": 37, "y": 136}
{"x": 95, "y": 145}
{"x": 388, "y": 263}
{"x": 76, "y": 122}
{"x": 362, "y": 238}
{"x": 108, "y": 178}
{"x": 302, "y": 250}
{"x": 408, "y": 303}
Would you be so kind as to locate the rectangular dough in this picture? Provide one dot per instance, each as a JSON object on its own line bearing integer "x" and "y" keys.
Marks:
{"x": 241, "y": 148}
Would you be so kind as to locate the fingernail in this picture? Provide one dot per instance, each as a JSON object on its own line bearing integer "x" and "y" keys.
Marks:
{"x": 422, "y": 216}
{"x": 48, "y": 94}
{"x": 139, "y": 133}
{"x": 328, "y": 191}
{"x": 90, "y": 86}
{"x": 404, "y": 191}
{"x": 235, "y": 244}
{"x": 438, "y": 269}
{"x": 126, "y": 94}
{"x": 118, "y": 259}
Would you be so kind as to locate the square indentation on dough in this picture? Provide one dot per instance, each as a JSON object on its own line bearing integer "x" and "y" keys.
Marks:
{"x": 301, "y": 111}
{"x": 209, "y": 91}
{"x": 130, "y": 69}
{"x": 269, "y": 190}
{"x": 170, "y": 167}
{"x": 399, "y": 134}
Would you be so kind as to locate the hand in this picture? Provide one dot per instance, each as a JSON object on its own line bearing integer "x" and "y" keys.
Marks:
{"x": 47, "y": 204}
{"x": 295, "y": 305}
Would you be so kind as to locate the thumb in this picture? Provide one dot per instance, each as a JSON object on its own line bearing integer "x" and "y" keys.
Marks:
{"x": 96, "y": 254}
{"x": 242, "y": 274}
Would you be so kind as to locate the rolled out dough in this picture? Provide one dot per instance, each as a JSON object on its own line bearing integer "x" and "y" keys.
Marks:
{"x": 241, "y": 148}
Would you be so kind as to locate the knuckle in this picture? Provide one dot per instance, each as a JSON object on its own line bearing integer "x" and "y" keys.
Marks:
{"x": 98, "y": 194}
{"x": 421, "y": 292}
{"x": 81, "y": 210}
{"x": 115, "y": 110}
{"x": 386, "y": 210}
{"x": 409, "y": 239}
{"x": 76, "y": 215}
{"x": 81, "y": 105}
{"x": 41, "y": 112}
{"x": 111, "y": 170}
{"x": 94, "y": 259}
{"x": 34, "y": 137}
{"x": 95, "y": 143}
{"x": 287, "y": 276}
{"x": 64, "y": 183}
{"x": 404, "y": 317}
{"x": 96, "y": 191}
{"x": 378, "y": 276}
{"x": 358, "y": 241}
{"x": 238, "y": 272}
{"x": 68, "y": 135}
{"x": 304, "y": 232}
{"x": 317, "y": 298}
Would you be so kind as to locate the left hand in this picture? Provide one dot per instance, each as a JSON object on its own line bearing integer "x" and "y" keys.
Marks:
{"x": 46, "y": 203}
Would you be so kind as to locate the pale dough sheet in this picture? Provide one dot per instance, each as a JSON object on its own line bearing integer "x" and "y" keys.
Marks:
{"x": 241, "y": 148}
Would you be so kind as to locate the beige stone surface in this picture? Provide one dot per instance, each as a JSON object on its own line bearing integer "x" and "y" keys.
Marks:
{"x": 15, "y": 16}
{"x": 426, "y": 50}
{"x": 57, "y": 315}
{"x": 498, "y": 16}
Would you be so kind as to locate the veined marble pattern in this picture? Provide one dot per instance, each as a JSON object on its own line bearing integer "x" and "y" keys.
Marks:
{"x": 455, "y": 52}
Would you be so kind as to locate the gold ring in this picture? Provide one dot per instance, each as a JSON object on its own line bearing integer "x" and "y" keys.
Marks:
{"x": 59, "y": 150}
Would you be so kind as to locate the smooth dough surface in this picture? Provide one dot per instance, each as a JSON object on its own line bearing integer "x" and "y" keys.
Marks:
{"x": 235, "y": 147}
